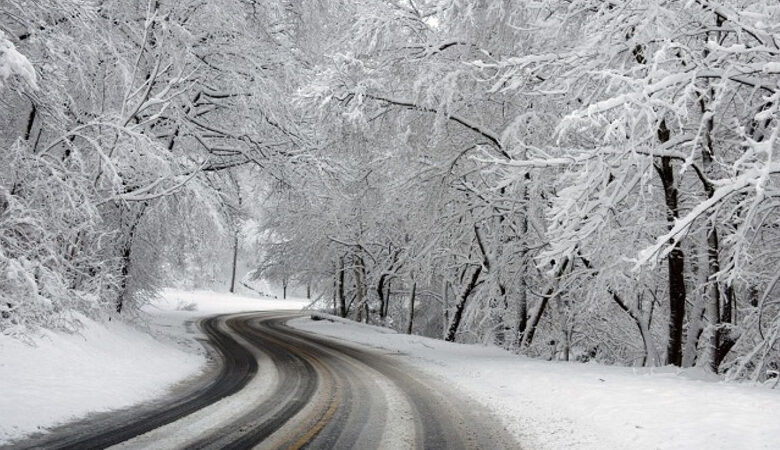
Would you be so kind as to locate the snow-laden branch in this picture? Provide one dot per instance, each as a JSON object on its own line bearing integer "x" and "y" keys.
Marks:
{"x": 490, "y": 135}
{"x": 148, "y": 192}
{"x": 631, "y": 97}
{"x": 666, "y": 243}
{"x": 13, "y": 63}
{"x": 741, "y": 78}
{"x": 727, "y": 14}
{"x": 538, "y": 163}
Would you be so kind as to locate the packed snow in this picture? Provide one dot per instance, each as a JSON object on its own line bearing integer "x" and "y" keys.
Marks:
{"x": 556, "y": 405}
{"x": 65, "y": 376}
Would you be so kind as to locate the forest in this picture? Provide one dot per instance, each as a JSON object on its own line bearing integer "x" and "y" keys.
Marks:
{"x": 579, "y": 180}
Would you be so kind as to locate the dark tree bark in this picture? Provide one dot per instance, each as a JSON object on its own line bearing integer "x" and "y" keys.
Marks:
{"x": 30, "y": 122}
{"x": 714, "y": 294}
{"x": 361, "y": 305}
{"x": 726, "y": 340}
{"x": 384, "y": 280}
{"x": 380, "y": 293}
{"x": 412, "y": 297}
{"x": 642, "y": 326}
{"x": 445, "y": 298}
{"x": 522, "y": 294}
{"x": 126, "y": 254}
{"x": 675, "y": 259}
{"x": 388, "y": 293}
{"x": 334, "y": 298}
{"x": 341, "y": 297}
{"x": 233, "y": 220}
{"x": 460, "y": 305}
{"x": 5, "y": 200}
{"x": 537, "y": 317}
{"x": 522, "y": 313}
{"x": 233, "y": 268}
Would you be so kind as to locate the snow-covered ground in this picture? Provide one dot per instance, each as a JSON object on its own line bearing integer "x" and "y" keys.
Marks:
{"x": 550, "y": 405}
{"x": 111, "y": 365}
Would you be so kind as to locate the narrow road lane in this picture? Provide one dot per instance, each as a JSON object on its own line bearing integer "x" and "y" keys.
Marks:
{"x": 282, "y": 388}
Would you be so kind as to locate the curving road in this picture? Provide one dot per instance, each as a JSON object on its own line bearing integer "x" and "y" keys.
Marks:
{"x": 278, "y": 387}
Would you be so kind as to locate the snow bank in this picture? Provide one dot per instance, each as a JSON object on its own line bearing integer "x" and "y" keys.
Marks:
{"x": 556, "y": 405}
{"x": 111, "y": 365}
{"x": 196, "y": 304}
{"x": 66, "y": 376}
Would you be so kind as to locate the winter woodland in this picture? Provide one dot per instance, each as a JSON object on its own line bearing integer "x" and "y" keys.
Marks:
{"x": 569, "y": 179}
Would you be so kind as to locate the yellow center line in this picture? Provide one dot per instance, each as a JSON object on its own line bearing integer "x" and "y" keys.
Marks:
{"x": 317, "y": 427}
{"x": 333, "y": 402}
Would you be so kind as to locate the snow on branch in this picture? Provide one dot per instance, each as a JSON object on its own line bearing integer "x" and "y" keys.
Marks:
{"x": 13, "y": 63}
{"x": 471, "y": 125}
{"x": 666, "y": 243}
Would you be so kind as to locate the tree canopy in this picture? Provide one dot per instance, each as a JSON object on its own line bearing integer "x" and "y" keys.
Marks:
{"x": 569, "y": 179}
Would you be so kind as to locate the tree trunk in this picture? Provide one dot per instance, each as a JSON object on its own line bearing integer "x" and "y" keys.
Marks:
{"x": 695, "y": 327}
{"x": 445, "y": 304}
{"x": 233, "y": 269}
{"x": 714, "y": 294}
{"x": 522, "y": 294}
{"x": 713, "y": 299}
{"x": 126, "y": 254}
{"x": 727, "y": 341}
{"x": 460, "y": 305}
{"x": 522, "y": 313}
{"x": 361, "y": 305}
{"x": 676, "y": 264}
{"x": 410, "y": 322}
{"x": 30, "y": 121}
{"x": 380, "y": 293}
{"x": 675, "y": 259}
{"x": 537, "y": 316}
{"x": 334, "y": 298}
{"x": 504, "y": 330}
{"x": 567, "y": 332}
{"x": 642, "y": 322}
{"x": 697, "y": 307}
{"x": 342, "y": 300}
{"x": 651, "y": 354}
{"x": 5, "y": 200}
{"x": 388, "y": 293}
{"x": 652, "y": 359}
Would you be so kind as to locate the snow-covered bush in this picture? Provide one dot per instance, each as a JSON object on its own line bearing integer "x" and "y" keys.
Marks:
{"x": 51, "y": 259}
